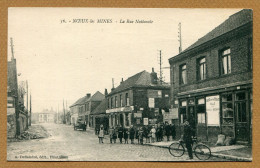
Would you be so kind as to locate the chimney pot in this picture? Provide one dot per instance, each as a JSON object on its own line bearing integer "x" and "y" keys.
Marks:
{"x": 88, "y": 95}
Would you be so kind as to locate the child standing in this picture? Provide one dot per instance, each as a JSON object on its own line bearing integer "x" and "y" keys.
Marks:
{"x": 101, "y": 134}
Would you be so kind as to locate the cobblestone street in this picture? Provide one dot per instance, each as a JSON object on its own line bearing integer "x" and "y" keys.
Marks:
{"x": 65, "y": 144}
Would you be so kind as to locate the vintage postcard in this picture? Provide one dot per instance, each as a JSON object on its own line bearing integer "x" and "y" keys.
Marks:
{"x": 129, "y": 84}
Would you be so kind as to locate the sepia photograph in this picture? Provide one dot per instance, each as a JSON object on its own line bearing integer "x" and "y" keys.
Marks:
{"x": 129, "y": 84}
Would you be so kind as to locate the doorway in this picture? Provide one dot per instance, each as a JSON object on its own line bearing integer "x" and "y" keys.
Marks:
{"x": 242, "y": 116}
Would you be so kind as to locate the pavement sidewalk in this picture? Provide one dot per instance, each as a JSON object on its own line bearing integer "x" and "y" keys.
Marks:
{"x": 233, "y": 152}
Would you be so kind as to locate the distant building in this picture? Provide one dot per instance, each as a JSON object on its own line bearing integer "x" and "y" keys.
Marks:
{"x": 83, "y": 107}
{"x": 46, "y": 116}
{"x": 211, "y": 81}
{"x": 139, "y": 100}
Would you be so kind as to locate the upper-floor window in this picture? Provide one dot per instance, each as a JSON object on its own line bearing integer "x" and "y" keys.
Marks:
{"x": 250, "y": 53}
{"x": 116, "y": 105}
{"x": 202, "y": 68}
{"x": 183, "y": 74}
{"x": 127, "y": 99}
{"x": 225, "y": 65}
{"x": 112, "y": 102}
{"x": 107, "y": 103}
{"x": 121, "y": 101}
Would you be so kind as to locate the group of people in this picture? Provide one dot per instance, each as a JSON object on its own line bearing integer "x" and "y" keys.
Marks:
{"x": 149, "y": 133}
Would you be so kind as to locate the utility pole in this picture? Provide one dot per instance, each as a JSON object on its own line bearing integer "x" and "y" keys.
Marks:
{"x": 30, "y": 119}
{"x": 180, "y": 40}
{"x": 27, "y": 123}
{"x": 160, "y": 66}
{"x": 17, "y": 133}
{"x": 58, "y": 115}
{"x": 64, "y": 121}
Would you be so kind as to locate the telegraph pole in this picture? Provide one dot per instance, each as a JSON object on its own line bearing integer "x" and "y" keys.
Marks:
{"x": 27, "y": 123}
{"x": 64, "y": 121}
{"x": 180, "y": 40}
{"x": 30, "y": 119}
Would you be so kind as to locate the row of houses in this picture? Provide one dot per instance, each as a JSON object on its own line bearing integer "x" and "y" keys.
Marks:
{"x": 210, "y": 85}
{"x": 141, "y": 99}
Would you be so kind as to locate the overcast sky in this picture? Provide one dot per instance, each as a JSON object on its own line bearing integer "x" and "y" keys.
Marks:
{"x": 69, "y": 60}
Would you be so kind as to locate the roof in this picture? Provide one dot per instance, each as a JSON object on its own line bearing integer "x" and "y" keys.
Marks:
{"x": 234, "y": 21}
{"x": 79, "y": 101}
{"x": 97, "y": 97}
{"x": 100, "y": 109}
{"x": 140, "y": 79}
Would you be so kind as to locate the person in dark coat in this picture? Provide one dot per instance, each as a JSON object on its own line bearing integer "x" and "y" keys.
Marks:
{"x": 173, "y": 131}
{"x": 141, "y": 135}
{"x": 120, "y": 133}
{"x": 137, "y": 135}
{"x": 132, "y": 134}
{"x": 187, "y": 137}
{"x": 114, "y": 134}
{"x": 126, "y": 132}
{"x": 167, "y": 131}
{"x": 157, "y": 133}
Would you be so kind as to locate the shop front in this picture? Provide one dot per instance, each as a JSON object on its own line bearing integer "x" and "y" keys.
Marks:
{"x": 120, "y": 116}
{"x": 226, "y": 111}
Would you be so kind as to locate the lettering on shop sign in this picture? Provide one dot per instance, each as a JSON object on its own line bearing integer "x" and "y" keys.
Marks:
{"x": 212, "y": 109}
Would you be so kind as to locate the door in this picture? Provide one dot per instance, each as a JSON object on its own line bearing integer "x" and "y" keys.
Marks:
{"x": 242, "y": 117}
{"x": 201, "y": 120}
{"x": 121, "y": 120}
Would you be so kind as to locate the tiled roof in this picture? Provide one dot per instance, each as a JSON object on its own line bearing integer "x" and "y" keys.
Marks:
{"x": 97, "y": 97}
{"x": 79, "y": 101}
{"x": 234, "y": 21}
{"x": 100, "y": 109}
{"x": 140, "y": 79}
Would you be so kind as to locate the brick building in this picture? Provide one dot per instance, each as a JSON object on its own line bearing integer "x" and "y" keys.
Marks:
{"x": 140, "y": 98}
{"x": 211, "y": 81}
{"x": 83, "y": 107}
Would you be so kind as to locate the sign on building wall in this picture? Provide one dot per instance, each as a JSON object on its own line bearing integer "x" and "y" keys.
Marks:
{"x": 145, "y": 120}
{"x": 212, "y": 109}
{"x": 174, "y": 113}
{"x": 151, "y": 102}
{"x": 154, "y": 93}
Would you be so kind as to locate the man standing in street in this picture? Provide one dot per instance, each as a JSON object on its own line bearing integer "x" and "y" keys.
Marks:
{"x": 167, "y": 131}
{"x": 120, "y": 133}
{"x": 187, "y": 137}
{"x": 132, "y": 134}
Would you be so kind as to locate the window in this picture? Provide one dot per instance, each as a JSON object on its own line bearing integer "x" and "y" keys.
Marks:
{"x": 116, "y": 105}
{"x": 127, "y": 99}
{"x": 127, "y": 119}
{"x": 227, "y": 109}
{"x": 240, "y": 106}
{"x": 250, "y": 53}
{"x": 183, "y": 74}
{"x": 107, "y": 103}
{"x": 121, "y": 101}
{"x": 201, "y": 111}
{"x": 183, "y": 115}
{"x": 111, "y": 102}
{"x": 225, "y": 62}
{"x": 201, "y": 68}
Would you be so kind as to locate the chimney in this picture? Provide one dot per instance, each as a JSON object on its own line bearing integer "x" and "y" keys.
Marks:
{"x": 106, "y": 92}
{"x": 122, "y": 81}
{"x": 88, "y": 95}
{"x": 113, "y": 88}
{"x": 154, "y": 77}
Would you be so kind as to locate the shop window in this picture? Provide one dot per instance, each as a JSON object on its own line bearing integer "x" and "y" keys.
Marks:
{"x": 227, "y": 109}
{"x": 201, "y": 111}
{"x": 127, "y": 119}
{"x": 225, "y": 65}
{"x": 183, "y": 114}
{"x": 201, "y": 68}
{"x": 183, "y": 74}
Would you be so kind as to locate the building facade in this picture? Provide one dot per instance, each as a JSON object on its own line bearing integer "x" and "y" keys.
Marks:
{"x": 211, "y": 81}
{"x": 140, "y": 100}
